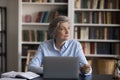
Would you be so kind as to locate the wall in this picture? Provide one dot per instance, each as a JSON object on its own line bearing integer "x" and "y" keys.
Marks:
{"x": 3, "y": 2}
{"x": 12, "y": 34}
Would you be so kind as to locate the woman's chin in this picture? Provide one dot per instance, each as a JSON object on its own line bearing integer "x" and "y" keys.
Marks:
{"x": 66, "y": 38}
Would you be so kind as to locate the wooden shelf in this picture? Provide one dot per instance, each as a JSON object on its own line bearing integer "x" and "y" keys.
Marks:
{"x": 101, "y": 56}
{"x": 44, "y": 3}
{"x": 97, "y": 25}
{"x": 96, "y": 40}
{"x": 97, "y": 10}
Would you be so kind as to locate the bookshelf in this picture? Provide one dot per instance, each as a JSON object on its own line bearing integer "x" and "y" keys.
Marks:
{"x": 93, "y": 24}
{"x": 34, "y": 21}
{"x": 97, "y": 28}
{"x": 3, "y": 40}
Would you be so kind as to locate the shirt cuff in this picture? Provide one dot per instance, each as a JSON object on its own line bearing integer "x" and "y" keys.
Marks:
{"x": 87, "y": 74}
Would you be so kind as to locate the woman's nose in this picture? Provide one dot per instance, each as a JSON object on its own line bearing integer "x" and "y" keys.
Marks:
{"x": 67, "y": 31}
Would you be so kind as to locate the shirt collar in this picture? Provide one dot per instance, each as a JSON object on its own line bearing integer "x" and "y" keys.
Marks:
{"x": 65, "y": 45}
{"x": 54, "y": 44}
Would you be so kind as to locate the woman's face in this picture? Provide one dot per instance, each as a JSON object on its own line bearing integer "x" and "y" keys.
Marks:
{"x": 63, "y": 31}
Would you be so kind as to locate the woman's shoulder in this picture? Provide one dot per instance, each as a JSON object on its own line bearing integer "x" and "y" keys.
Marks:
{"x": 73, "y": 41}
{"x": 47, "y": 42}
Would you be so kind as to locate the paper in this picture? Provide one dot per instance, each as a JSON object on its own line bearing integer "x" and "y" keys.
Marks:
{"x": 11, "y": 74}
{"x": 25, "y": 75}
{"x": 11, "y": 79}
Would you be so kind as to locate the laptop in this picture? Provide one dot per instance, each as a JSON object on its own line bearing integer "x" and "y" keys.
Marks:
{"x": 61, "y": 68}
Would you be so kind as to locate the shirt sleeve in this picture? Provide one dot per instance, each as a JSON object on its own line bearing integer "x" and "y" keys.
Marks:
{"x": 82, "y": 58}
{"x": 35, "y": 63}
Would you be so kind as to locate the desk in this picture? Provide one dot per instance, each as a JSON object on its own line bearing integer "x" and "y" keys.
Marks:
{"x": 92, "y": 77}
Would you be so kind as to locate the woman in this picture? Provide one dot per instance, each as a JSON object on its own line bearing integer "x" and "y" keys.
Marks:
{"x": 60, "y": 45}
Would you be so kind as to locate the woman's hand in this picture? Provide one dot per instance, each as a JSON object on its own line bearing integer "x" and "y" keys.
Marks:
{"x": 85, "y": 68}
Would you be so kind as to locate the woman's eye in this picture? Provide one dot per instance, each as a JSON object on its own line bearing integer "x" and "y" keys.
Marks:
{"x": 61, "y": 29}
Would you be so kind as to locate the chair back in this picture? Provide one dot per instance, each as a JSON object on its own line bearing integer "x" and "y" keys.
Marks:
{"x": 30, "y": 54}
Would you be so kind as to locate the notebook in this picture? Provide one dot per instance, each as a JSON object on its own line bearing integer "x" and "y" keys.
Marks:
{"x": 60, "y": 68}
{"x": 24, "y": 75}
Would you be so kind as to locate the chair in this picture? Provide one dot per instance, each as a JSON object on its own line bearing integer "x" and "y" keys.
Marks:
{"x": 30, "y": 54}
{"x": 105, "y": 66}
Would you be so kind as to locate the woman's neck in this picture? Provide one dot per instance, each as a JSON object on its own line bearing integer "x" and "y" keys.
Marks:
{"x": 59, "y": 44}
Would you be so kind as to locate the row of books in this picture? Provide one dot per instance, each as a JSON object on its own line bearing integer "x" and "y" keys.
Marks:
{"x": 42, "y": 1}
{"x": 88, "y": 48}
{"x": 97, "y": 4}
{"x": 34, "y": 35}
{"x": 105, "y": 33}
{"x": 97, "y": 17}
{"x": 101, "y": 48}
{"x": 45, "y": 16}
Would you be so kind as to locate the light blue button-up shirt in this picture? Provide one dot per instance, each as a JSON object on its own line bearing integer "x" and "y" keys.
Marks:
{"x": 71, "y": 48}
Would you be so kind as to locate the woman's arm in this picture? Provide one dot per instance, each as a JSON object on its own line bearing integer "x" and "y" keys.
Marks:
{"x": 35, "y": 63}
{"x": 85, "y": 68}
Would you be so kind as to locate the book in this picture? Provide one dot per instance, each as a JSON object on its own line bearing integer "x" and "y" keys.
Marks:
{"x": 95, "y": 4}
{"x": 84, "y": 3}
{"x": 84, "y": 32}
{"x": 75, "y": 33}
{"x": 52, "y": 1}
{"x": 25, "y": 35}
{"x": 40, "y": 35}
{"x": 89, "y": 4}
{"x": 45, "y": 35}
{"x": 92, "y": 48}
{"x": 88, "y": 48}
{"x": 46, "y": 20}
{"x": 25, "y": 75}
{"x": 101, "y": 4}
{"x": 32, "y": 34}
{"x": 38, "y": 16}
{"x": 44, "y": 15}
{"x": 77, "y": 4}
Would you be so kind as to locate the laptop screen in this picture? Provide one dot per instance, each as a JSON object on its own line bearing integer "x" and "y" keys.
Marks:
{"x": 61, "y": 67}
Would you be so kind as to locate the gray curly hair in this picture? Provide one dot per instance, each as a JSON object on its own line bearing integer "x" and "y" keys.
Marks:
{"x": 55, "y": 23}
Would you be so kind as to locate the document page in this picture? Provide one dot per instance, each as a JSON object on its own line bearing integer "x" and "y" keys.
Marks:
{"x": 24, "y": 75}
